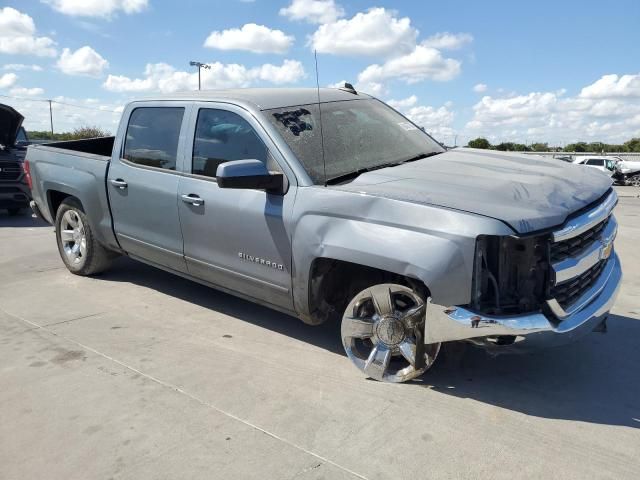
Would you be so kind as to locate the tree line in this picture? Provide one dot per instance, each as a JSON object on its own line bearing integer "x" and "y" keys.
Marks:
{"x": 77, "y": 134}
{"x": 632, "y": 145}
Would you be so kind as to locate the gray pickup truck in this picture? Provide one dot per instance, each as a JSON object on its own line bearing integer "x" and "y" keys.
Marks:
{"x": 341, "y": 210}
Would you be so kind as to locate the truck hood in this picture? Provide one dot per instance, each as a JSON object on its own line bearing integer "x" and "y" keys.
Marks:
{"x": 10, "y": 122}
{"x": 528, "y": 193}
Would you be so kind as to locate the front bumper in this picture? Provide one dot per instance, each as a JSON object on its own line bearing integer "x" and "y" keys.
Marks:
{"x": 524, "y": 332}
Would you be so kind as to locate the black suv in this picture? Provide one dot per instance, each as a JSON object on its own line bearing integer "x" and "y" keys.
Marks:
{"x": 14, "y": 190}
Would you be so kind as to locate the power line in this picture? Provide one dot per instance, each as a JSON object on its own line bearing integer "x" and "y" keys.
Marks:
{"x": 86, "y": 107}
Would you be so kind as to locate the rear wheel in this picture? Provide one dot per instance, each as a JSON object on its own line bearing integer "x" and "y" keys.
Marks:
{"x": 634, "y": 181}
{"x": 79, "y": 250}
{"x": 381, "y": 331}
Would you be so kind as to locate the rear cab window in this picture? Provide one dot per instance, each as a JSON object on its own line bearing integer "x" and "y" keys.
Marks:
{"x": 153, "y": 135}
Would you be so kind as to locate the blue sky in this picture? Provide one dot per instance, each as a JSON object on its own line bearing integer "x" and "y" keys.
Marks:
{"x": 557, "y": 71}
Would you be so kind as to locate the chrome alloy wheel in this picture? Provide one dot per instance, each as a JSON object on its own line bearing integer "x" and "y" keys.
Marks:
{"x": 73, "y": 237}
{"x": 379, "y": 333}
{"x": 634, "y": 181}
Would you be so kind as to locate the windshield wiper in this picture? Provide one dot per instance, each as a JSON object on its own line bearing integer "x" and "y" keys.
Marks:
{"x": 356, "y": 173}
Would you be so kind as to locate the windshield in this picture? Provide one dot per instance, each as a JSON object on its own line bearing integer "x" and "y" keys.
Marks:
{"x": 358, "y": 135}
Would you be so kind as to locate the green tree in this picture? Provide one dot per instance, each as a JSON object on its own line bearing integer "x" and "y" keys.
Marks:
{"x": 479, "y": 143}
{"x": 576, "y": 147}
{"x": 77, "y": 134}
{"x": 512, "y": 147}
{"x": 540, "y": 147}
{"x": 633, "y": 145}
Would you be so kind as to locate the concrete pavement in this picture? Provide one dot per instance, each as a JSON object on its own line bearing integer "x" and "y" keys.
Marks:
{"x": 139, "y": 374}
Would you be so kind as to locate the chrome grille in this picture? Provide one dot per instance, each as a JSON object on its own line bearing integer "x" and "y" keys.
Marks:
{"x": 579, "y": 253}
{"x": 575, "y": 246}
{"x": 567, "y": 293}
{"x": 10, "y": 170}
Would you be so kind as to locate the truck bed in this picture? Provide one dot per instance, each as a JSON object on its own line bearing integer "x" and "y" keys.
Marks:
{"x": 75, "y": 168}
{"x": 102, "y": 146}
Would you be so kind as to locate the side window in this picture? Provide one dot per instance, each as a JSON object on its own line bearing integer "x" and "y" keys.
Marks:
{"x": 152, "y": 136}
{"x": 222, "y": 136}
{"x": 598, "y": 162}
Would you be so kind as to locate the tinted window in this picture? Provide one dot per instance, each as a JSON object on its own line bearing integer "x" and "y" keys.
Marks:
{"x": 152, "y": 136}
{"x": 598, "y": 162}
{"x": 358, "y": 134}
{"x": 222, "y": 136}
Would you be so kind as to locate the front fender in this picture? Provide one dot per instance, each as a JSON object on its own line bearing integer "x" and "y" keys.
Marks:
{"x": 433, "y": 245}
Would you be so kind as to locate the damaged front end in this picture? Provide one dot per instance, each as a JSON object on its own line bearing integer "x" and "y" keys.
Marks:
{"x": 511, "y": 274}
{"x": 548, "y": 289}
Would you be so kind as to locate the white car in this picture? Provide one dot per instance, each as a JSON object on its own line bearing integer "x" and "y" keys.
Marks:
{"x": 602, "y": 163}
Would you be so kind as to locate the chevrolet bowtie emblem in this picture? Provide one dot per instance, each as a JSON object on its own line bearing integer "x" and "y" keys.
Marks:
{"x": 607, "y": 248}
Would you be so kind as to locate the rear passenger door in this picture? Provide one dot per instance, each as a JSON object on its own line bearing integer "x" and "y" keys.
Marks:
{"x": 143, "y": 183}
{"x": 235, "y": 239}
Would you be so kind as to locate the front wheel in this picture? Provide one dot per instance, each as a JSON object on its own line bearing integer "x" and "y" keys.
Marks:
{"x": 381, "y": 330}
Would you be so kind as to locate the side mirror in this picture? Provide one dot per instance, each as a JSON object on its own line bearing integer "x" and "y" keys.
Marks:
{"x": 249, "y": 174}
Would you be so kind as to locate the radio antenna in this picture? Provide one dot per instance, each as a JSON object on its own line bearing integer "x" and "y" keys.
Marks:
{"x": 324, "y": 165}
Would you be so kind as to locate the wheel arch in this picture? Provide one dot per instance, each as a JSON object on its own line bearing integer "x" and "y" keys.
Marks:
{"x": 443, "y": 264}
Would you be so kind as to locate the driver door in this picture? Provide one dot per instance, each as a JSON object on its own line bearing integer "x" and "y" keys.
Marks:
{"x": 235, "y": 239}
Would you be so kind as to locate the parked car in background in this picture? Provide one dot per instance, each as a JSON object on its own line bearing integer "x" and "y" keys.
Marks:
{"x": 628, "y": 172}
{"x": 14, "y": 190}
{"x": 604, "y": 164}
{"x": 329, "y": 205}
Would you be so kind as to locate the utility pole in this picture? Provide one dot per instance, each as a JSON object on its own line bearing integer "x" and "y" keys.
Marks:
{"x": 200, "y": 66}
{"x": 51, "y": 118}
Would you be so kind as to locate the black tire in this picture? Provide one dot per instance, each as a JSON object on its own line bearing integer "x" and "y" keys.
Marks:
{"x": 14, "y": 211}
{"x": 95, "y": 258}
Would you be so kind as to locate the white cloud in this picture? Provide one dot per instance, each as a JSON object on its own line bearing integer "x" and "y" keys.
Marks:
{"x": 424, "y": 63}
{"x": 251, "y": 37}
{"x": 404, "y": 103}
{"x": 8, "y": 80}
{"x": 21, "y": 66}
{"x": 97, "y": 8}
{"x": 436, "y": 121}
{"x": 480, "y": 88}
{"x": 161, "y": 77}
{"x": 613, "y": 86}
{"x": 448, "y": 41}
{"x": 26, "y": 92}
{"x": 84, "y": 61}
{"x": 313, "y": 11}
{"x": 72, "y": 113}
{"x": 376, "y": 32}
{"x": 607, "y": 110}
{"x": 18, "y": 35}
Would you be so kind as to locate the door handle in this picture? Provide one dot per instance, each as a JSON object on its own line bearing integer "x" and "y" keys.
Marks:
{"x": 119, "y": 183}
{"x": 193, "y": 199}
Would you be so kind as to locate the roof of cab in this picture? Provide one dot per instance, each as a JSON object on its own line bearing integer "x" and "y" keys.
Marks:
{"x": 266, "y": 98}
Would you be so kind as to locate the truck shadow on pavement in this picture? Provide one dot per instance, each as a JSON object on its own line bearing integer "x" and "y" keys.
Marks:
{"x": 22, "y": 220}
{"x": 324, "y": 336}
{"x": 594, "y": 380}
